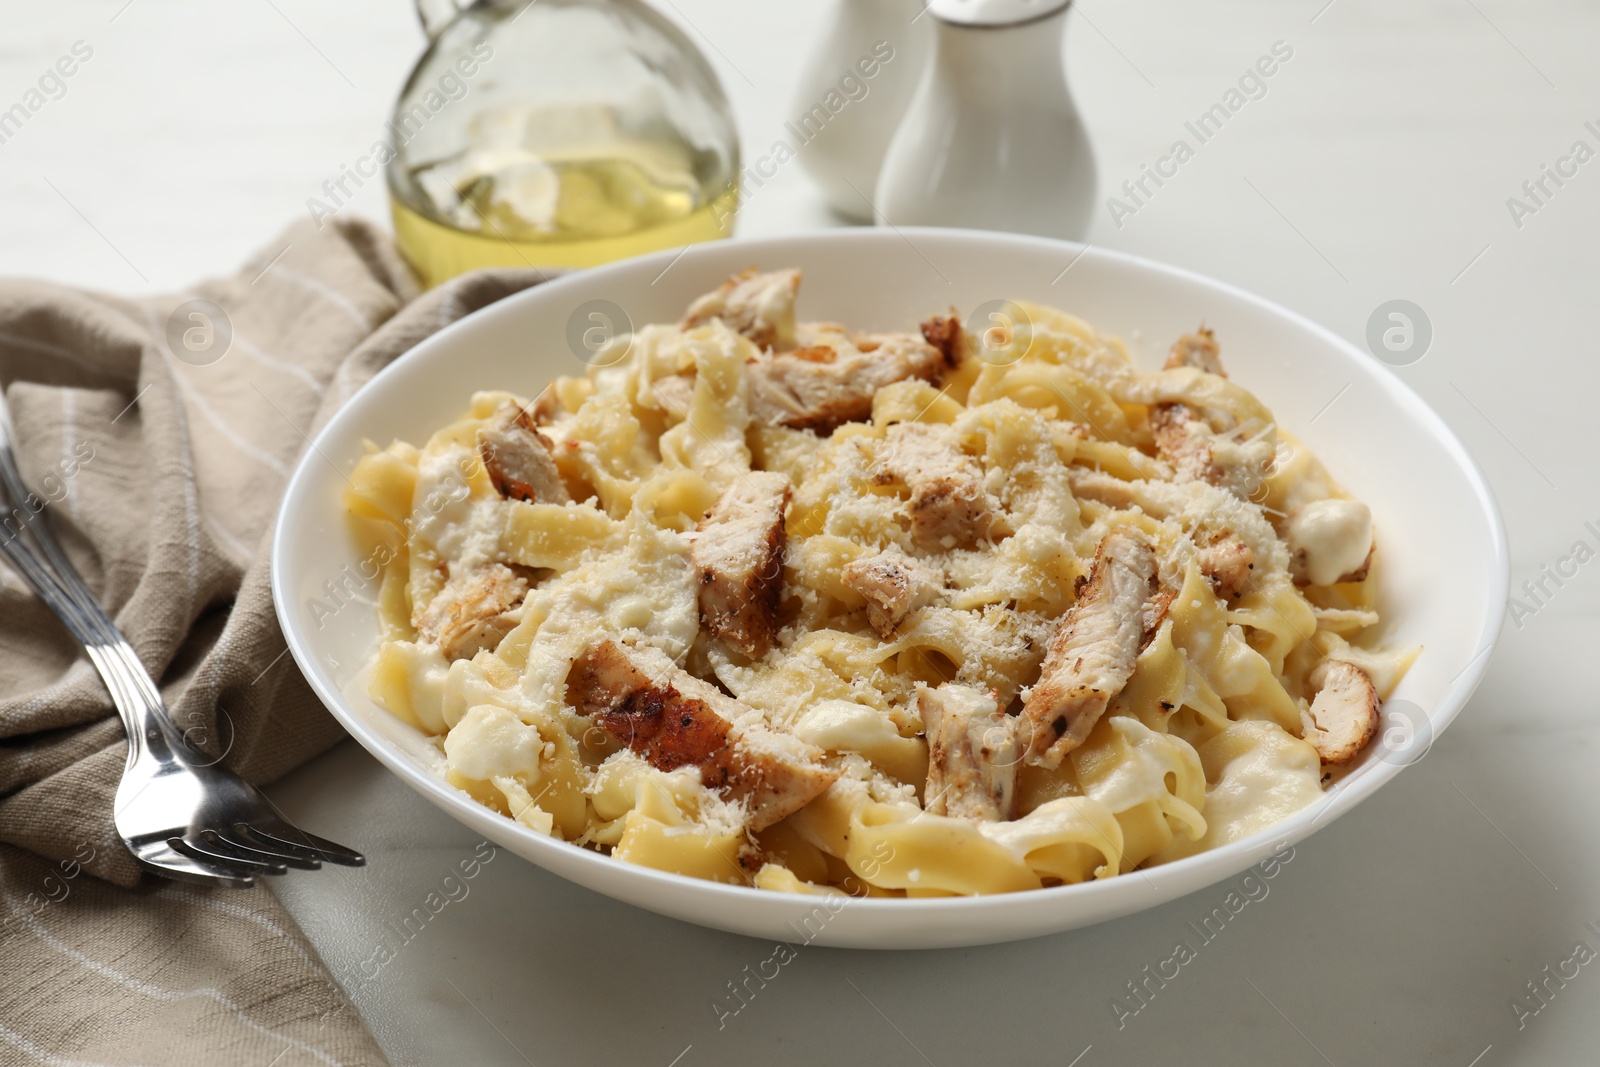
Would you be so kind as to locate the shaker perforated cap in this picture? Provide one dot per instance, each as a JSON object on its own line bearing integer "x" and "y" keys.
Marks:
{"x": 994, "y": 13}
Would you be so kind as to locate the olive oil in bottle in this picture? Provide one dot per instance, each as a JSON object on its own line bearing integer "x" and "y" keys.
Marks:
{"x": 553, "y": 213}
{"x": 566, "y": 133}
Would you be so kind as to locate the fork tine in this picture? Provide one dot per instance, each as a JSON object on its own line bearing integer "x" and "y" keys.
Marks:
{"x": 218, "y": 853}
{"x": 251, "y": 847}
{"x": 278, "y": 834}
{"x": 168, "y": 862}
{"x": 222, "y": 869}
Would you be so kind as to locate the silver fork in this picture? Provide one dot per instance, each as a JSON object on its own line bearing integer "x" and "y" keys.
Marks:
{"x": 180, "y": 815}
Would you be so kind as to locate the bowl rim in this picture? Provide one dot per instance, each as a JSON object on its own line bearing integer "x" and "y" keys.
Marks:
{"x": 1333, "y": 803}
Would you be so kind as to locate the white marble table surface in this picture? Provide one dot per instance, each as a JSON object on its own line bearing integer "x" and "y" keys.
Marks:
{"x": 1378, "y": 166}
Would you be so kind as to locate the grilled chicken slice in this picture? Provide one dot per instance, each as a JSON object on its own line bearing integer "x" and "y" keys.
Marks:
{"x": 1329, "y": 541}
{"x": 738, "y": 553}
{"x": 1198, "y": 350}
{"x": 949, "y": 506}
{"x": 826, "y": 385}
{"x": 1344, "y": 715}
{"x": 946, "y": 333}
{"x": 673, "y": 719}
{"x": 473, "y": 611}
{"x": 895, "y": 585}
{"x": 1093, "y": 651}
{"x": 973, "y": 753}
{"x": 1199, "y": 454}
{"x": 760, "y": 306}
{"x": 1228, "y": 563}
{"x": 518, "y": 458}
{"x": 1196, "y": 452}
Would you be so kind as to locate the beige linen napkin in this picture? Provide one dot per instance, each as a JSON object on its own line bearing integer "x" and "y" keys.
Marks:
{"x": 164, "y": 466}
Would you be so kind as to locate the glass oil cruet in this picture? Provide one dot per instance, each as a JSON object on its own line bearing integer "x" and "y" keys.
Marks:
{"x": 557, "y": 133}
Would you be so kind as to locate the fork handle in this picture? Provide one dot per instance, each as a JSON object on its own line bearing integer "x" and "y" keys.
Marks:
{"x": 146, "y": 726}
{"x": 58, "y": 583}
{"x": 68, "y": 581}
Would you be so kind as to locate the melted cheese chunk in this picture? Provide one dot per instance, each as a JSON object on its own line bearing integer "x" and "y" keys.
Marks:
{"x": 1329, "y": 539}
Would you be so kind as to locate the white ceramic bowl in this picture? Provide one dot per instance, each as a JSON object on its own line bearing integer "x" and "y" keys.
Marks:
{"x": 1444, "y": 550}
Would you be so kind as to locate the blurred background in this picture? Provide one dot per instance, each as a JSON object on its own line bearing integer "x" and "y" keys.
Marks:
{"x": 1379, "y": 165}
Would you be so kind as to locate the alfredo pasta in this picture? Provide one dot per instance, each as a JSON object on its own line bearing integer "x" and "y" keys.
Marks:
{"x": 805, "y": 608}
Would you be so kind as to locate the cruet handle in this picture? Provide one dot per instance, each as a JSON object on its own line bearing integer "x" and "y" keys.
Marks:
{"x": 437, "y": 14}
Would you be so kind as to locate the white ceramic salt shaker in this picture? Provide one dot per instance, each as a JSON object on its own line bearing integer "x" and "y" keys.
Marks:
{"x": 853, "y": 93}
{"x": 992, "y": 139}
